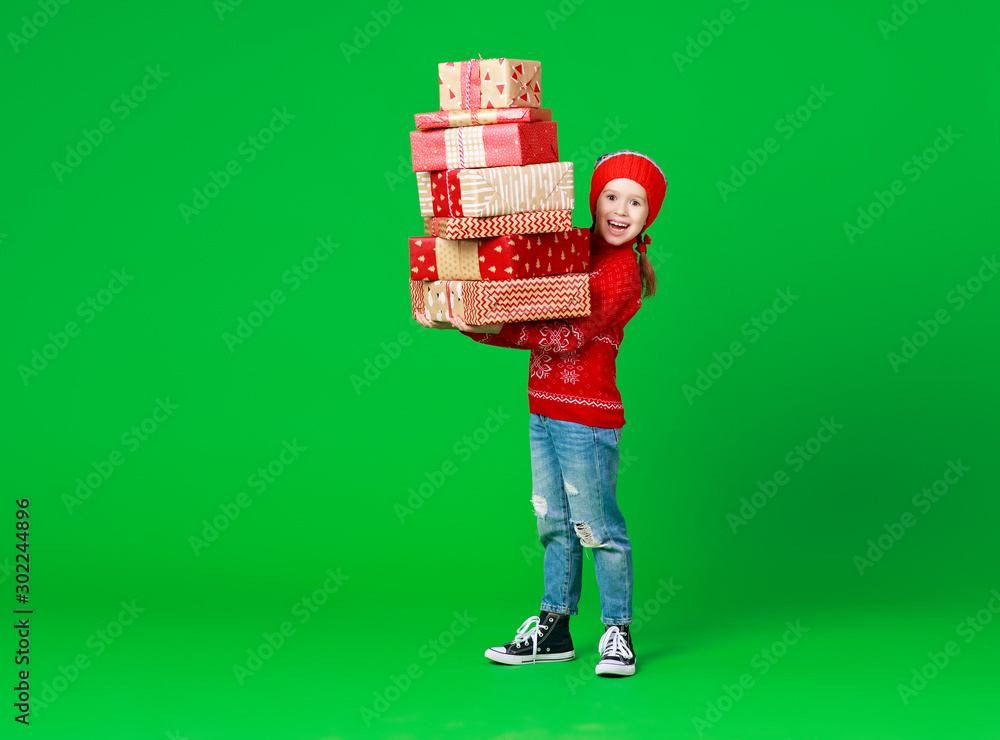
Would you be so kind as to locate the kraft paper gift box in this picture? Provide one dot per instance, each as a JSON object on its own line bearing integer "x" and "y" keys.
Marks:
{"x": 500, "y": 301}
{"x": 452, "y": 118}
{"x": 496, "y": 191}
{"x": 490, "y": 83}
{"x": 500, "y": 258}
{"x": 496, "y": 145}
{"x": 535, "y": 222}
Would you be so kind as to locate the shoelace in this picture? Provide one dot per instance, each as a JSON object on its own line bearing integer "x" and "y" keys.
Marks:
{"x": 613, "y": 643}
{"x": 529, "y": 631}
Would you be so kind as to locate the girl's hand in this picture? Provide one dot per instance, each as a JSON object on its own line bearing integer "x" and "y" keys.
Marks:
{"x": 475, "y": 329}
{"x": 428, "y": 324}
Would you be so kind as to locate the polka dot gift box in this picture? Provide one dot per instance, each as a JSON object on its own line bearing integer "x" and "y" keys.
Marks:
{"x": 493, "y": 145}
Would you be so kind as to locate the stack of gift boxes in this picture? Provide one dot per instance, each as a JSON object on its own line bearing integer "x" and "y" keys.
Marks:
{"x": 497, "y": 203}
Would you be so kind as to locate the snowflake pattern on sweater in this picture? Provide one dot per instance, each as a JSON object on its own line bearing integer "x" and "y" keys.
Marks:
{"x": 540, "y": 365}
{"x": 571, "y": 372}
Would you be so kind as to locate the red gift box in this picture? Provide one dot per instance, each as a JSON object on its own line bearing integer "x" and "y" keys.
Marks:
{"x": 496, "y": 145}
{"x": 452, "y": 118}
{"x": 506, "y": 257}
{"x": 536, "y": 222}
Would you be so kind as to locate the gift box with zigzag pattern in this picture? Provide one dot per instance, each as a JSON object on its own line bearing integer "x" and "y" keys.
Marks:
{"x": 501, "y": 301}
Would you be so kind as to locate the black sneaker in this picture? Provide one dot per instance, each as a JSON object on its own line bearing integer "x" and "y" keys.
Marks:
{"x": 539, "y": 639}
{"x": 617, "y": 656}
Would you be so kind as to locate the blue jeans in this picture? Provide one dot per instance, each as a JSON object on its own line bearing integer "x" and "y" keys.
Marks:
{"x": 574, "y": 470}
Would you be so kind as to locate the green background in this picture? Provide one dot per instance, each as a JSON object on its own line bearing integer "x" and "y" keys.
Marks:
{"x": 339, "y": 171}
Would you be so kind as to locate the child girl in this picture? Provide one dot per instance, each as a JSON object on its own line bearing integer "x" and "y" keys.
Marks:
{"x": 576, "y": 421}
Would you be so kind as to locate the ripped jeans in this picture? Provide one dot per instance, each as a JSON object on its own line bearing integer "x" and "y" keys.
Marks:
{"x": 574, "y": 470}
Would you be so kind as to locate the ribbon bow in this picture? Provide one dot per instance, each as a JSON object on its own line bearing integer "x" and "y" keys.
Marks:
{"x": 642, "y": 243}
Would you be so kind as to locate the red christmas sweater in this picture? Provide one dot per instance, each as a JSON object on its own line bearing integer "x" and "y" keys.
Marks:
{"x": 571, "y": 375}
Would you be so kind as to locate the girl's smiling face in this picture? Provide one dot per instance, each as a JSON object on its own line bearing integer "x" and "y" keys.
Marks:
{"x": 622, "y": 210}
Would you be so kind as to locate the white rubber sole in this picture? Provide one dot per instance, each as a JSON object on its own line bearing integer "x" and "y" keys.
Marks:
{"x": 614, "y": 669}
{"x": 498, "y": 656}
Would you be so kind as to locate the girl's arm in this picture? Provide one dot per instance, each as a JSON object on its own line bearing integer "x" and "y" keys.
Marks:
{"x": 615, "y": 291}
{"x": 457, "y": 323}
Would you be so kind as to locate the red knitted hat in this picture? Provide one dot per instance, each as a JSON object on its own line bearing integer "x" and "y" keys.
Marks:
{"x": 634, "y": 166}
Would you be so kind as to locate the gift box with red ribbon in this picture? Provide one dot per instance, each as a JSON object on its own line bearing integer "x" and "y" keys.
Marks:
{"x": 496, "y": 191}
{"x": 490, "y": 83}
{"x": 495, "y": 145}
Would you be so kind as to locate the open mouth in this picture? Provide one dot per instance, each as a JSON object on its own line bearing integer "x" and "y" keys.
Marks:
{"x": 617, "y": 227}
